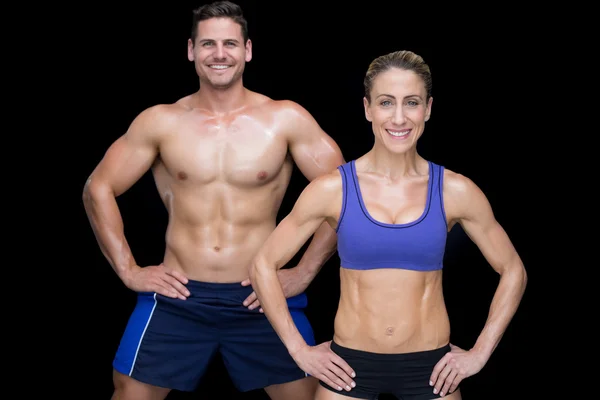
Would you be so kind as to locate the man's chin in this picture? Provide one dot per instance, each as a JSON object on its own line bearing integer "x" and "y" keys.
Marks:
{"x": 218, "y": 84}
{"x": 222, "y": 85}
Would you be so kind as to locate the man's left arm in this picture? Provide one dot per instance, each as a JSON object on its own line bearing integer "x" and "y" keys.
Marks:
{"x": 315, "y": 153}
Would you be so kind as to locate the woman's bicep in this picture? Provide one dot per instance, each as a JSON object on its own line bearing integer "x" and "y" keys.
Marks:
{"x": 314, "y": 205}
{"x": 475, "y": 215}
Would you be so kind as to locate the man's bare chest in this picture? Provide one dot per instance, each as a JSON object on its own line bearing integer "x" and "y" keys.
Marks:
{"x": 236, "y": 154}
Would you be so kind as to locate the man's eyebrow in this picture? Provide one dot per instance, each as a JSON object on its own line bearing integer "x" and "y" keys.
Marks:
{"x": 213, "y": 40}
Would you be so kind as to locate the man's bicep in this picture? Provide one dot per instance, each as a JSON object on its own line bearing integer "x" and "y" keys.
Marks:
{"x": 317, "y": 155}
{"x": 129, "y": 157}
{"x": 313, "y": 150}
{"x": 124, "y": 163}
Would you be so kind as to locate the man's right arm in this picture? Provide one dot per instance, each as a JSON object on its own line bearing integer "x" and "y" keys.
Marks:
{"x": 124, "y": 163}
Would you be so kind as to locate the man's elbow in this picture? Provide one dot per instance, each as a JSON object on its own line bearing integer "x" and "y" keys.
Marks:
{"x": 88, "y": 192}
{"x": 94, "y": 191}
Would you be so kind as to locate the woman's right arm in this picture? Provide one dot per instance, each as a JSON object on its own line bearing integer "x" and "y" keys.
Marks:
{"x": 320, "y": 201}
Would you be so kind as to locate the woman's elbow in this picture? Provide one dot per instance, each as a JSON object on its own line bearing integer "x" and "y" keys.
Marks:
{"x": 258, "y": 268}
{"x": 524, "y": 278}
{"x": 518, "y": 276}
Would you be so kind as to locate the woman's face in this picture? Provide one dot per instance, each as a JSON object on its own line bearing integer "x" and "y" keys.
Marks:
{"x": 398, "y": 109}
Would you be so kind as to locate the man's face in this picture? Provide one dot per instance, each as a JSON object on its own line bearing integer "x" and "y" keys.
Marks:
{"x": 219, "y": 53}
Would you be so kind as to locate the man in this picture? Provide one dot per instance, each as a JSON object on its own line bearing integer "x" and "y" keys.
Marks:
{"x": 221, "y": 159}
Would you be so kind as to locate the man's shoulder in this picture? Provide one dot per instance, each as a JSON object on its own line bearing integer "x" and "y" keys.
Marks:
{"x": 276, "y": 106}
{"x": 157, "y": 120}
{"x": 292, "y": 118}
{"x": 289, "y": 107}
{"x": 164, "y": 112}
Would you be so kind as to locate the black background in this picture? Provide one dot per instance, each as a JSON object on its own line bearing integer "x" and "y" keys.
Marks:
{"x": 137, "y": 57}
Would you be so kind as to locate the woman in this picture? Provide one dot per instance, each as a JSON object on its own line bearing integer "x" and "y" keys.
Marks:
{"x": 392, "y": 210}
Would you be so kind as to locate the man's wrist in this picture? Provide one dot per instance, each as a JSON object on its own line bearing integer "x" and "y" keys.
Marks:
{"x": 307, "y": 271}
{"x": 126, "y": 273}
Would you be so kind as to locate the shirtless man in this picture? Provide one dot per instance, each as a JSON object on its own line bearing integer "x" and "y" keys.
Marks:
{"x": 222, "y": 159}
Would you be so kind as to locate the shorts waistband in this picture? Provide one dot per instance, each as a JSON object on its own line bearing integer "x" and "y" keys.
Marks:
{"x": 230, "y": 286}
{"x": 235, "y": 291}
{"x": 424, "y": 354}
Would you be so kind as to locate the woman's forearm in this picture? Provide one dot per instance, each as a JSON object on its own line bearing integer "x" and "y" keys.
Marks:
{"x": 504, "y": 306}
{"x": 274, "y": 304}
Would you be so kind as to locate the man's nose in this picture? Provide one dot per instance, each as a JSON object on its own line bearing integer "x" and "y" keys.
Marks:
{"x": 220, "y": 52}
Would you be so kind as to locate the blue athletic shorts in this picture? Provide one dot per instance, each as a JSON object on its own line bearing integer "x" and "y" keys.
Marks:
{"x": 170, "y": 342}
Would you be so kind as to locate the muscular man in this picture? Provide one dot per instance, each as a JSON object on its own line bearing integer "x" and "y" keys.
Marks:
{"x": 222, "y": 160}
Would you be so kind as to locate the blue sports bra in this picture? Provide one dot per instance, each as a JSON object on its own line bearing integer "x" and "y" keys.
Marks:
{"x": 365, "y": 243}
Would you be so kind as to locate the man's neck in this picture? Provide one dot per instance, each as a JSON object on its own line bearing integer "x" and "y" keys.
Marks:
{"x": 222, "y": 101}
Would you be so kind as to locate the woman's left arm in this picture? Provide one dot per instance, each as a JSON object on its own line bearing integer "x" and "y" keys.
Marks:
{"x": 467, "y": 205}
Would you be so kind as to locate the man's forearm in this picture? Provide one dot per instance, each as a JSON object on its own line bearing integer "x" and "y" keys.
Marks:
{"x": 319, "y": 251}
{"x": 106, "y": 222}
{"x": 274, "y": 304}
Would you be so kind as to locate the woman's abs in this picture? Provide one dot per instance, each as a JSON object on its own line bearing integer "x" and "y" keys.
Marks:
{"x": 391, "y": 311}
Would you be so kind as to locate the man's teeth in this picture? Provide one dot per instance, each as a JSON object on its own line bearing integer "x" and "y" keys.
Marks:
{"x": 219, "y": 66}
{"x": 397, "y": 134}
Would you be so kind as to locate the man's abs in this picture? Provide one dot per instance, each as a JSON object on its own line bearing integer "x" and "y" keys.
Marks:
{"x": 222, "y": 180}
{"x": 215, "y": 229}
{"x": 214, "y": 252}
